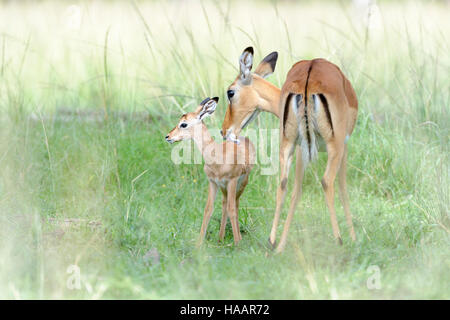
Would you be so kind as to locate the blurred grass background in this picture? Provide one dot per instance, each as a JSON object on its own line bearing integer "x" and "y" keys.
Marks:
{"x": 88, "y": 89}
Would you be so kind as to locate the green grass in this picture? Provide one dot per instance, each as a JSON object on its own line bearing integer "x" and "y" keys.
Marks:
{"x": 100, "y": 191}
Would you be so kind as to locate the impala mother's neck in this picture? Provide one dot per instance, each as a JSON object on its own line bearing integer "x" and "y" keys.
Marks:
{"x": 270, "y": 96}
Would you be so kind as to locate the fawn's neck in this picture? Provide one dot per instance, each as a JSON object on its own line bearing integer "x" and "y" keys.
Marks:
{"x": 203, "y": 141}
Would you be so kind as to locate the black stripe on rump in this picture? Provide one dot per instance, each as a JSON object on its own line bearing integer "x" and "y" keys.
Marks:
{"x": 327, "y": 111}
{"x": 286, "y": 110}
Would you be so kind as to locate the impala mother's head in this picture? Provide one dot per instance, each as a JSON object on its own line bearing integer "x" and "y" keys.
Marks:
{"x": 248, "y": 93}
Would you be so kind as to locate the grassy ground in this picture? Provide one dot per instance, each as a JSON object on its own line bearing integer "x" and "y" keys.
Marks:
{"x": 87, "y": 93}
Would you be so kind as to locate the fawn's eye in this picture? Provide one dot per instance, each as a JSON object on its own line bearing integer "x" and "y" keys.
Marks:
{"x": 230, "y": 94}
{"x": 183, "y": 125}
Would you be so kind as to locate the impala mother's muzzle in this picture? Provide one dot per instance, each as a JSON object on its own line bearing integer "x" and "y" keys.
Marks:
{"x": 230, "y": 136}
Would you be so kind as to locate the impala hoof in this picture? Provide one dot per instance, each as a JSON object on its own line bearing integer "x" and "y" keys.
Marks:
{"x": 339, "y": 240}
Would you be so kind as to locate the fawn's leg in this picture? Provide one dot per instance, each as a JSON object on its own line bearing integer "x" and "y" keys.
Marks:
{"x": 343, "y": 195}
{"x": 237, "y": 219}
{"x": 212, "y": 191}
{"x": 242, "y": 186}
{"x": 223, "y": 222}
{"x": 231, "y": 208}
{"x": 244, "y": 183}
{"x": 286, "y": 151}
{"x": 296, "y": 194}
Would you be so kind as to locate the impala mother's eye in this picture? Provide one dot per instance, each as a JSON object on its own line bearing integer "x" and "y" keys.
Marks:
{"x": 183, "y": 125}
{"x": 230, "y": 94}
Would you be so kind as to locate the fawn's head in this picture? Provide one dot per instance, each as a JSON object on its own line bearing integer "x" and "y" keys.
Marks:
{"x": 185, "y": 128}
{"x": 243, "y": 94}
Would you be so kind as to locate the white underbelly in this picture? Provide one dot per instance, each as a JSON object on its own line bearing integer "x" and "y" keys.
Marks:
{"x": 223, "y": 183}
{"x": 240, "y": 179}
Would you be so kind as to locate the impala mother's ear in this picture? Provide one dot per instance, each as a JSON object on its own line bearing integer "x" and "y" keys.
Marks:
{"x": 246, "y": 64}
{"x": 267, "y": 65}
{"x": 208, "y": 107}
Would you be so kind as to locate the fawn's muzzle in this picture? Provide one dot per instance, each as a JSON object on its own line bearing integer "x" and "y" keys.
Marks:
{"x": 169, "y": 140}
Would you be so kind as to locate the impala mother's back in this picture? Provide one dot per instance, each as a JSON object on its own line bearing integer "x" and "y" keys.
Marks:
{"x": 316, "y": 101}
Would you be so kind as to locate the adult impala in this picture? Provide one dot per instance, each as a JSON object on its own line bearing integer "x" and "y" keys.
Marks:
{"x": 317, "y": 102}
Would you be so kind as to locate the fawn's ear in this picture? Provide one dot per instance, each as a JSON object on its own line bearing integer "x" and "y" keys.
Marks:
{"x": 246, "y": 64}
{"x": 267, "y": 66}
{"x": 208, "y": 107}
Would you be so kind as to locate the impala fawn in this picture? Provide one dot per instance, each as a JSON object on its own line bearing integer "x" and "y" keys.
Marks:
{"x": 227, "y": 165}
{"x": 316, "y": 103}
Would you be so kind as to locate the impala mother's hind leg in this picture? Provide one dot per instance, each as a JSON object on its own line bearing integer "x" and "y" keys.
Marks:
{"x": 296, "y": 194}
{"x": 343, "y": 195}
{"x": 335, "y": 153}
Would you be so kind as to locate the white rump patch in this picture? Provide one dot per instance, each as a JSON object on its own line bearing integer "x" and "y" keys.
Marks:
{"x": 316, "y": 103}
{"x": 309, "y": 152}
